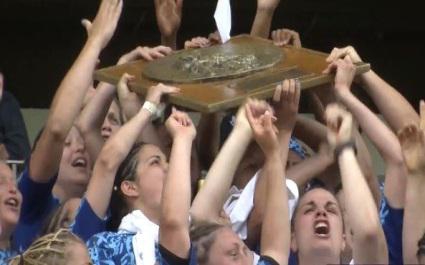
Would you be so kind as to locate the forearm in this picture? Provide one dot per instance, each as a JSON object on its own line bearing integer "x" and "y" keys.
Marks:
{"x": 414, "y": 217}
{"x": 175, "y": 209}
{"x": 396, "y": 110}
{"x": 310, "y": 131}
{"x": 276, "y": 228}
{"x": 262, "y": 22}
{"x": 368, "y": 235}
{"x": 383, "y": 138}
{"x": 113, "y": 153}
{"x": 304, "y": 171}
{"x": 68, "y": 100}
{"x": 169, "y": 41}
{"x": 210, "y": 199}
{"x": 94, "y": 113}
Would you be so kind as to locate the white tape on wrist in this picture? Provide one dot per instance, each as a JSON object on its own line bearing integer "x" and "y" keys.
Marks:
{"x": 151, "y": 107}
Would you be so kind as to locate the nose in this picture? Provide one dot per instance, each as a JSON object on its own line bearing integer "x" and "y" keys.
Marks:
{"x": 106, "y": 126}
{"x": 321, "y": 212}
{"x": 12, "y": 187}
{"x": 79, "y": 145}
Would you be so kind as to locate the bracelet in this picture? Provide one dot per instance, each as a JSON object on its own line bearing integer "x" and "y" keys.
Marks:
{"x": 342, "y": 147}
{"x": 150, "y": 107}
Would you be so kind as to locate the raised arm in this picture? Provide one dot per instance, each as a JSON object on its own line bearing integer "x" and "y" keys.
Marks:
{"x": 209, "y": 201}
{"x": 168, "y": 17}
{"x": 69, "y": 97}
{"x": 174, "y": 220}
{"x": 396, "y": 110}
{"x": 412, "y": 139}
{"x": 286, "y": 101}
{"x": 93, "y": 115}
{"x": 381, "y": 136}
{"x": 369, "y": 245}
{"x": 276, "y": 232}
{"x": 116, "y": 149}
{"x": 263, "y": 18}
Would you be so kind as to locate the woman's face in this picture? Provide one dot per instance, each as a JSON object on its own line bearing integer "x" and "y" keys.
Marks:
{"x": 75, "y": 164}
{"x": 151, "y": 171}
{"x": 112, "y": 121}
{"x": 10, "y": 199}
{"x": 229, "y": 249}
{"x": 318, "y": 228}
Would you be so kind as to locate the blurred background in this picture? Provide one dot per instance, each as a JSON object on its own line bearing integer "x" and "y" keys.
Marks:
{"x": 39, "y": 39}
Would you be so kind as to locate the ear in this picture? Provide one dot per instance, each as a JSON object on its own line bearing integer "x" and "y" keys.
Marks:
{"x": 294, "y": 245}
{"x": 129, "y": 189}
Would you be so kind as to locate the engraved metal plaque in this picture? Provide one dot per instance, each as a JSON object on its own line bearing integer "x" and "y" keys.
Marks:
{"x": 222, "y": 77}
{"x": 220, "y": 62}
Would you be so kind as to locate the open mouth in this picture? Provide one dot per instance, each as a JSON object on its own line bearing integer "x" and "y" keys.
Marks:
{"x": 12, "y": 203}
{"x": 321, "y": 228}
{"x": 79, "y": 162}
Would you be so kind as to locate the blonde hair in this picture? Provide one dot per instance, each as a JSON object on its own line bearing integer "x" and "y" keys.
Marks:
{"x": 49, "y": 249}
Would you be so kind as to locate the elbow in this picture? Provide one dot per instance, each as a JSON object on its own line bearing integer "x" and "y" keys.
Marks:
{"x": 56, "y": 131}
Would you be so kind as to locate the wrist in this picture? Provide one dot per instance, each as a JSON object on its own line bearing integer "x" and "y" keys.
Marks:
{"x": 268, "y": 10}
{"x": 341, "y": 148}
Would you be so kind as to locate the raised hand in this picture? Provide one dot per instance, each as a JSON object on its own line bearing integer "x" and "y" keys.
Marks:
{"x": 179, "y": 125}
{"x": 340, "y": 125}
{"x": 345, "y": 71}
{"x": 101, "y": 30}
{"x": 412, "y": 140}
{"x": 260, "y": 118}
{"x": 283, "y": 37}
{"x": 286, "y": 100}
{"x": 156, "y": 92}
{"x": 340, "y": 53}
{"x": 168, "y": 16}
{"x": 146, "y": 53}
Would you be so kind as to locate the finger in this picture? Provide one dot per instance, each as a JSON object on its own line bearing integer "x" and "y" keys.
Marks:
{"x": 156, "y": 54}
{"x": 144, "y": 53}
{"x": 86, "y": 24}
{"x": 291, "y": 94}
{"x": 277, "y": 93}
{"x": 249, "y": 114}
{"x": 330, "y": 68}
{"x": 422, "y": 115}
{"x": 332, "y": 55}
{"x": 285, "y": 90}
{"x": 297, "y": 91}
{"x": 164, "y": 50}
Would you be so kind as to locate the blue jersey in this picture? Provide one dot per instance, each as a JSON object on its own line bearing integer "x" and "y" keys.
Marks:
{"x": 6, "y": 255}
{"x": 37, "y": 204}
{"x": 392, "y": 224}
{"x": 87, "y": 223}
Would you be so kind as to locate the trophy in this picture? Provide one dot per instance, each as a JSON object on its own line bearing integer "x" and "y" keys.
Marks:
{"x": 223, "y": 76}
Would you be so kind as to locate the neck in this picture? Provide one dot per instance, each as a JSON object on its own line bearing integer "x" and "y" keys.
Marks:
{"x": 317, "y": 259}
{"x": 71, "y": 191}
{"x": 5, "y": 239}
{"x": 151, "y": 213}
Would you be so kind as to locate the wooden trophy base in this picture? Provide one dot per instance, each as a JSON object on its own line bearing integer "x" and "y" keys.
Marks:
{"x": 223, "y": 92}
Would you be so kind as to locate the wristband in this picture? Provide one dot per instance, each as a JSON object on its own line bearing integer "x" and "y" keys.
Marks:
{"x": 150, "y": 107}
{"x": 342, "y": 147}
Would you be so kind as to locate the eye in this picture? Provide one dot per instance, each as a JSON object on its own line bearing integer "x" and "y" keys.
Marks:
{"x": 308, "y": 210}
{"x": 155, "y": 161}
{"x": 332, "y": 210}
